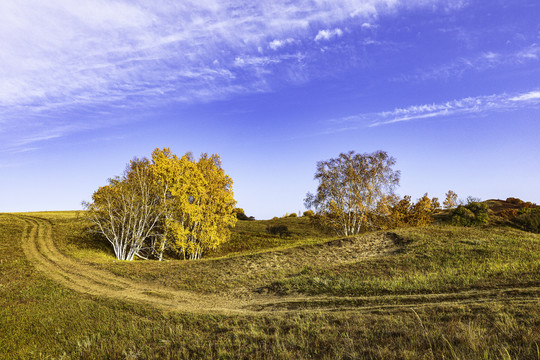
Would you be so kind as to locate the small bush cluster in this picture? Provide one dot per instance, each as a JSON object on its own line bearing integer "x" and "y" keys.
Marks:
{"x": 281, "y": 230}
{"x": 241, "y": 215}
{"x": 523, "y": 204}
{"x": 473, "y": 214}
{"x": 509, "y": 213}
{"x": 407, "y": 213}
{"x": 528, "y": 218}
{"x": 530, "y": 221}
{"x": 309, "y": 213}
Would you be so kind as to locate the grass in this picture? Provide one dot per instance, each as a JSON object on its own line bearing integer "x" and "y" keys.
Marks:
{"x": 427, "y": 260}
{"x": 40, "y": 319}
{"x": 435, "y": 259}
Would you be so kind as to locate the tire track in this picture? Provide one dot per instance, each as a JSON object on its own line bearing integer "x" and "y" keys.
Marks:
{"x": 39, "y": 248}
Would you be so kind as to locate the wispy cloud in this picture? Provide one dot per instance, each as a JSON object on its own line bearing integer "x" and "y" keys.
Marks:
{"x": 469, "y": 105}
{"x": 92, "y": 56}
{"x": 61, "y": 51}
{"x": 483, "y": 61}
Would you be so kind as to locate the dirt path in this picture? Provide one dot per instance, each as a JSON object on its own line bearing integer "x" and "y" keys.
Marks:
{"x": 39, "y": 248}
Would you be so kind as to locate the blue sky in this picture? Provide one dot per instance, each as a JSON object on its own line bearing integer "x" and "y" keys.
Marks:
{"x": 451, "y": 89}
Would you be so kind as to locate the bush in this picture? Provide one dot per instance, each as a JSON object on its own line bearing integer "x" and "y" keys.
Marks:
{"x": 473, "y": 214}
{"x": 514, "y": 201}
{"x": 509, "y": 213}
{"x": 281, "y": 230}
{"x": 406, "y": 213}
{"x": 240, "y": 214}
{"x": 309, "y": 213}
{"x": 292, "y": 215}
{"x": 462, "y": 216}
{"x": 530, "y": 221}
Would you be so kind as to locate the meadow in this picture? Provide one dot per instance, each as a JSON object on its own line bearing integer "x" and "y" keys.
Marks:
{"x": 431, "y": 292}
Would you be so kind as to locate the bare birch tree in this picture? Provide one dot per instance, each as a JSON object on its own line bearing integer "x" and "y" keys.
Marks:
{"x": 354, "y": 189}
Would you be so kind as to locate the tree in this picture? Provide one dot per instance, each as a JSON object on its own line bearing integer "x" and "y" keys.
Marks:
{"x": 450, "y": 200}
{"x": 422, "y": 210}
{"x": 169, "y": 203}
{"x": 354, "y": 190}
{"x": 199, "y": 202}
{"x": 127, "y": 211}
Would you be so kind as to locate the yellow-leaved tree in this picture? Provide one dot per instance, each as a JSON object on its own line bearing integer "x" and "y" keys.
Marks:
{"x": 199, "y": 202}
{"x": 166, "y": 203}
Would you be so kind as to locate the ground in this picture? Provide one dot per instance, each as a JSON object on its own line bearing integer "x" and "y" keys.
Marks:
{"x": 433, "y": 292}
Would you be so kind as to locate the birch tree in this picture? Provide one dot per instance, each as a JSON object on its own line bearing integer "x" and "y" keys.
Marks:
{"x": 167, "y": 204}
{"x": 199, "y": 202}
{"x": 354, "y": 189}
{"x": 127, "y": 211}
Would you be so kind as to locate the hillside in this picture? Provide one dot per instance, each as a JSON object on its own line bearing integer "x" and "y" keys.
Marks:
{"x": 435, "y": 291}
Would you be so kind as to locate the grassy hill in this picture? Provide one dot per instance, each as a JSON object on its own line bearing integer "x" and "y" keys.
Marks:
{"x": 434, "y": 292}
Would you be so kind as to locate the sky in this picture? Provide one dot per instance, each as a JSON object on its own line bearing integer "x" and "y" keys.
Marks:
{"x": 450, "y": 89}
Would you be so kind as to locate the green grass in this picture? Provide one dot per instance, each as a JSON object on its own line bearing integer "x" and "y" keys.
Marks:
{"x": 434, "y": 259}
{"x": 40, "y": 319}
{"x": 251, "y": 236}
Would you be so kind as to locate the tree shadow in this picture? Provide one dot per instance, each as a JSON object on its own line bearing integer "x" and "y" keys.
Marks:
{"x": 89, "y": 238}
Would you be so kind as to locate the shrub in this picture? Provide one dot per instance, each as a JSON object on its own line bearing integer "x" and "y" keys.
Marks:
{"x": 509, "y": 213}
{"x": 462, "y": 216}
{"x": 530, "y": 221}
{"x": 530, "y": 210}
{"x": 473, "y": 214}
{"x": 292, "y": 215}
{"x": 514, "y": 201}
{"x": 309, "y": 213}
{"x": 281, "y": 230}
{"x": 406, "y": 213}
{"x": 471, "y": 199}
{"x": 240, "y": 214}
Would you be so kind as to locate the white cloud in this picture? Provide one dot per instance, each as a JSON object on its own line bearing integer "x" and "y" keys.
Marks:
{"x": 328, "y": 34}
{"x": 469, "y": 105}
{"x": 276, "y": 44}
{"x": 533, "y": 95}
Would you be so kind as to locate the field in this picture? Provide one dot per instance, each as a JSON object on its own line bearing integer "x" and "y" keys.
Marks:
{"x": 429, "y": 292}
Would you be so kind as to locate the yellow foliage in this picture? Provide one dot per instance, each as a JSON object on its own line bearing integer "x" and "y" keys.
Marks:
{"x": 199, "y": 200}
